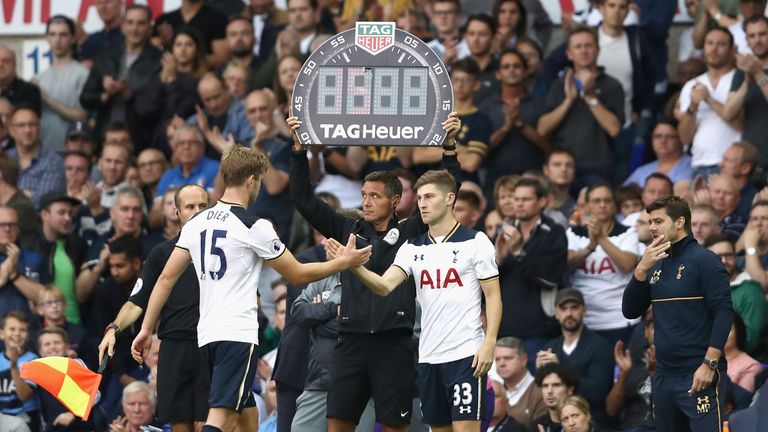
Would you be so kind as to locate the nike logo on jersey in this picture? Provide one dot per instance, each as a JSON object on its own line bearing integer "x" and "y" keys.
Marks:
{"x": 404, "y": 413}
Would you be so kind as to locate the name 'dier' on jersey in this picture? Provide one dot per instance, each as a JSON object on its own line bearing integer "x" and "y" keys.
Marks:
{"x": 448, "y": 271}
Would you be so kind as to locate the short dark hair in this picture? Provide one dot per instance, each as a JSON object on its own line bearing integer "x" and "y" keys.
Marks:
{"x": 524, "y": 39}
{"x": 562, "y": 371}
{"x": 559, "y": 151}
{"x": 312, "y": 3}
{"x": 127, "y": 245}
{"x": 145, "y": 8}
{"x": 117, "y": 126}
{"x": 469, "y": 197}
{"x": 723, "y": 30}
{"x": 629, "y": 192}
{"x": 61, "y": 19}
{"x": 515, "y": 52}
{"x": 716, "y": 238}
{"x": 760, "y": 203}
{"x": 79, "y": 153}
{"x": 662, "y": 177}
{"x": 741, "y": 332}
{"x": 406, "y": 174}
{"x": 483, "y": 18}
{"x": 235, "y": 18}
{"x": 391, "y": 182}
{"x": 581, "y": 29}
{"x": 675, "y": 207}
{"x": 15, "y": 314}
{"x": 755, "y": 19}
{"x": 455, "y": 2}
{"x": 601, "y": 184}
{"x": 533, "y": 183}
{"x": 9, "y": 168}
{"x": 467, "y": 65}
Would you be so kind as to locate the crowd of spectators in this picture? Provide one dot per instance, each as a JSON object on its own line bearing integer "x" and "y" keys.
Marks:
{"x": 562, "y": 145}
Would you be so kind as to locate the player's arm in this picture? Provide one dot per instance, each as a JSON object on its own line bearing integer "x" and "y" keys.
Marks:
{"x": 484, "y": 356}
{"x": 298, "y": 273}
{"x": 384, "y": 284}
{"x": 177, "y": 263}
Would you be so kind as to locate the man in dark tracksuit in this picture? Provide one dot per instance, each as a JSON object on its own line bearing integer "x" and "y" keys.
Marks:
{"x": 374, "y": 355}
{"x": 690, "y": 293}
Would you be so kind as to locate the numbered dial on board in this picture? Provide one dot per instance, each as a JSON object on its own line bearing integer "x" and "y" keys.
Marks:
{"x": 373, "y": 85}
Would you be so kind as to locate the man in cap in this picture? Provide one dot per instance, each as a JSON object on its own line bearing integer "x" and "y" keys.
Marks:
{"x": 584, "y": 352}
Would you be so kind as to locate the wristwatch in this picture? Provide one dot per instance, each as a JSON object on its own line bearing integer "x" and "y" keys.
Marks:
{"x": 712, "y": 364}
{"x": 718, "y": 16}
{"x": 751, "y": 251}
{"x": 762, "y": 81}
{"x": 112, "y": 326}
{"x": 591, "y": 101}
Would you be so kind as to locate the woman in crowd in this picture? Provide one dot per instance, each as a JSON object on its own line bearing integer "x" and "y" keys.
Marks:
{"x": 173, "y": 91}
{"x": 575, "y": 415}
{"x": 288, "y": 68}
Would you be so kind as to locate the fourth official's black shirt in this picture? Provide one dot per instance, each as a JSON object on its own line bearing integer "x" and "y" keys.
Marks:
{"x": 178, "y": 319}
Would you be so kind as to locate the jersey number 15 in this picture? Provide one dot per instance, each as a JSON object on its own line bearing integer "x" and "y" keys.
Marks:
{"x": 215, "y": 250}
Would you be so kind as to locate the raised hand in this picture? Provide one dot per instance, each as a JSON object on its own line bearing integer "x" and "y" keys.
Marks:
{"x": 354, "y": 257}
{"x": 293, "y": 125}
{"x": 622, "y": 357}
{"x": 655, "y": 252}
{"x": 452, "y": 125}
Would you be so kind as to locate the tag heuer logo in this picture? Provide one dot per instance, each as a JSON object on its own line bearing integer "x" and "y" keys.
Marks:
{"x": 374, "y": 36}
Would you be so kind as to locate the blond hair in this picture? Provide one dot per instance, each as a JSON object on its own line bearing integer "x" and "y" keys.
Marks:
{"x": 238, "y": 163}
{"x": 575, "y": 401}
{"x": 49, "y": 292}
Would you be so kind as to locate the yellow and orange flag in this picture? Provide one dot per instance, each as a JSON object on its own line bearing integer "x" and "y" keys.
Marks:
{"x": 74, "y": 385}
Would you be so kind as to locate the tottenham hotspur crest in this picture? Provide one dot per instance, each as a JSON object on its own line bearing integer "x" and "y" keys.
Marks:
{"x": 655, "y": 277}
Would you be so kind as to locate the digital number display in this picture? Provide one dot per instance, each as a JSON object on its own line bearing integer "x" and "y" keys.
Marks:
{"x": 374, "y": 85}
{"x": 372, "y": 90}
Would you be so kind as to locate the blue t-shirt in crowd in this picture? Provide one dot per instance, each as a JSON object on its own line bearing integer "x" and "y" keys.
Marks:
{"x": 31, "y": 265}
{"x": 10, "y": 403}
{"x": 203, "y": 174}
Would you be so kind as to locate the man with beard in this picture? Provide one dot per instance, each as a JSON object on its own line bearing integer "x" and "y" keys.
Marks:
{"x": 63, "y": 251}
{"x": 749, "y": 90}
{"x": 241, "y": 42}
{"x": 704, "y": 124}
{"x": 689, "y": 289}
{"x": 584, "y": 352}
{"x": 108, "y": 296}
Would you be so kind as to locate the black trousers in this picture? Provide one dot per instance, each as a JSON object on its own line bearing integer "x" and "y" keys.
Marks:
{"x": 286, "y": 402}
{"x": 676, "y": 411}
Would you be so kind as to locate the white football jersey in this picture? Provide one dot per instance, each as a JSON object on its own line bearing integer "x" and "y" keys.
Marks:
{"x": 228, "y": 246}
{"x": 599, "y": 278}
{"x": 447, "y": 272}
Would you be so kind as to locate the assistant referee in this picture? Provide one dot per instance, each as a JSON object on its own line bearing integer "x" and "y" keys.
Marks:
{"x": 691, "y": 297}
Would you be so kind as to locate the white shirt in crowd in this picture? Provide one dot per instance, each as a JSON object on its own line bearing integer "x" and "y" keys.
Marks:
{"x": 713, "y": 135}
